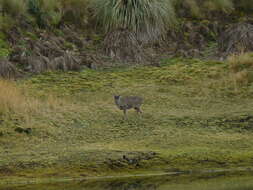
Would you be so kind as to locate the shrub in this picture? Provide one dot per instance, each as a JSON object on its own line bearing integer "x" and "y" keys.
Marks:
{"x": 52, "y": 11}
{"x": 219, "y": 5}
{"x": 75, "y": 11}
{"x": 47, "y": 12}
{"x": 189, "y": 7}
{"x": 6, "y": 23}
{"x": 202, "y": 8}
{"x": 244, "y": 5}
{"x": 4, "y": 48}
{"x": 14, "y": 8}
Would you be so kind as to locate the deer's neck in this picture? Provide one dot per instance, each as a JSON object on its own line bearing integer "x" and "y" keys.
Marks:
{"x": 117, "y": 101}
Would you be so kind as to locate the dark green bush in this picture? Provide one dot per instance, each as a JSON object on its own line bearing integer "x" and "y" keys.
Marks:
{"x": 46, "y": 12}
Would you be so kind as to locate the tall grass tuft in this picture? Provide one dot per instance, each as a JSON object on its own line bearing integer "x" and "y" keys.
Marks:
{"x": 143, "y": 17}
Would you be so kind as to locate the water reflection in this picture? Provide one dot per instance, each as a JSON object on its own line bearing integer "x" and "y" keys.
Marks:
{"x": 219, "y": 181}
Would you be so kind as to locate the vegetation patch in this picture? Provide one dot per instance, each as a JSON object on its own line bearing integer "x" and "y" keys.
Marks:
{"x": 241, "y": 68}
{"x": 236, "y": 39}
{"x": 5, "y": 50}
{"x": 70, "y": 123}
{"x": 197, "y": 113}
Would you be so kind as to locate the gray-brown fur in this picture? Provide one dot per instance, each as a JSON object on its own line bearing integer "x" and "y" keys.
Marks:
{"x": 127, "y": 102}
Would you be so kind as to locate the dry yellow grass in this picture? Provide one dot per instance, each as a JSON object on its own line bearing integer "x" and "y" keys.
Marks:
{"x": 241, "y": 67}
{"x": 15, "y": 100}
{"x": 241, "y": 61}
{"x": 12, "y": 99}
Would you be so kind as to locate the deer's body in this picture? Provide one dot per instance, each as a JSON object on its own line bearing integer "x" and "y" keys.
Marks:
{"x": 127, "y": 102}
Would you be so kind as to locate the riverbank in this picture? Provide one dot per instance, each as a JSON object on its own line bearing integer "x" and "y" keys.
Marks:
{"x": 151, "y": 178}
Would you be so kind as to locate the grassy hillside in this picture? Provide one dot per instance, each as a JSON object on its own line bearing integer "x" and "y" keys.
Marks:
{"x": 196, "y": 115}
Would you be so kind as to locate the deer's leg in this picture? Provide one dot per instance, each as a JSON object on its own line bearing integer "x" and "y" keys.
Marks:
{"x": 138, "y": 109}
{"x": 125, "y": 115}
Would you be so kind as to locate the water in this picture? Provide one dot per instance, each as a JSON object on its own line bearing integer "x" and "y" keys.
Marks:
{"x": 219, "y": 181}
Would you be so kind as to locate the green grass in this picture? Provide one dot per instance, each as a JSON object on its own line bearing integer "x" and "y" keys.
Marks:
{"x": 193, "y": 119}
{"x": 5, "y": 50}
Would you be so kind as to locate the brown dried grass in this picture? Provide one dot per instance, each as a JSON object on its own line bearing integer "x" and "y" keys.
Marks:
{"x": 13, "y": 100}
{"x": 241, "y": 68}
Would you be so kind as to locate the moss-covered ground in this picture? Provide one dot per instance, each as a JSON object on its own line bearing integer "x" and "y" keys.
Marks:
{"x": 193, "y": 118}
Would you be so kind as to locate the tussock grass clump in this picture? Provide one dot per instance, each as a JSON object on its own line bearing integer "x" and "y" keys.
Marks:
{"x": 241, "y": 67}
{"x": 128, "y": 22}
{"x": 145, "y": 18}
